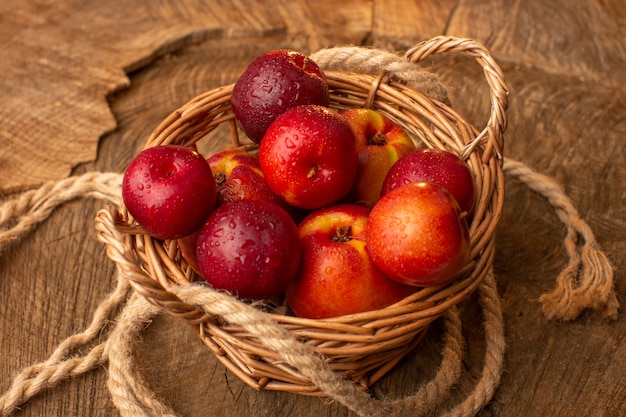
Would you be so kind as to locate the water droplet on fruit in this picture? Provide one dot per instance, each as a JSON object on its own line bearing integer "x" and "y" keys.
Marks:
{"x": 329, "y": 270}
{"x": 247, "y": 244}
{"x": 232, "y": 224}
{"x": 289, "y": 143}
{"x": 140, "y": 187}
{"x": 268, "y": 86}
{"x": 218, "y": 232}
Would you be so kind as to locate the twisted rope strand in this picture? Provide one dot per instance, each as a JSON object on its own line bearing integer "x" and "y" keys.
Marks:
{"x": 594, "y": 290}
{"x": 431, "y": 395}
{"x": 587, "y": 280}
{"x": 495, "y": 346}
{"x": 374, "y": 61}
{"x": 129, "y": 390}
{"x": 273, "y": 336}
{"x": 59, "y": 366}
{"x": 43, "y": 376}
{"x": 28, "y": 210}
{"x": 34, "y": 206}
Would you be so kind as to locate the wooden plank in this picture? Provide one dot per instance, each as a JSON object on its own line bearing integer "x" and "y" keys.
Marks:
{"x": 566, "y": 119}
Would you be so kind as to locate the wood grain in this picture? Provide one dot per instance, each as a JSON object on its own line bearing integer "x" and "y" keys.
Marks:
{"x": 68, "y": 56}
{"x": 118, "y": 74}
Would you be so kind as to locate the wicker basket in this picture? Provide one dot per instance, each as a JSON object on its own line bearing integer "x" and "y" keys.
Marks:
{"x": 361, "y": 346}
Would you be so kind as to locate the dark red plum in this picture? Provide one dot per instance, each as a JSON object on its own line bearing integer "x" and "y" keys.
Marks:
{"x": 273, "y": 83}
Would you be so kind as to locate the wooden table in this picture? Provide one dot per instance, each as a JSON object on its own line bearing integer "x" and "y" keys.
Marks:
{"x": 84, "y": 83}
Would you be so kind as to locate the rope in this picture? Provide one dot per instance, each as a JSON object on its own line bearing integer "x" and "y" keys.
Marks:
{"x": 129, "y": 390}
{"x": 495, "y": 346}
{"x": 587, "y": 280}
{"x": 273, "y": 336}
{"x": 585, "y": 283}
{"x": 431, "y": 395}
{"x": 17, "y": 218}
{"x": 20, "y": 215}
{"x": 375, "y": 61}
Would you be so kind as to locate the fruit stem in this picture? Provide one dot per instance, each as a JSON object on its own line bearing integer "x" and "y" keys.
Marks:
{"x": 379, "y": 139}
{"x": 342, "y": 234}
{"x": 313, "y": 172}
{"x": 220, "y": 178}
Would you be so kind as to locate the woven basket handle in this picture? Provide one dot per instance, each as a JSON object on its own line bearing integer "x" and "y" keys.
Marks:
{"x": 496, "y": 125}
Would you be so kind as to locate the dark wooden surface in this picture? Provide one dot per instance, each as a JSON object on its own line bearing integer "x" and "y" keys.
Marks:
{"x": 84, "y": 83}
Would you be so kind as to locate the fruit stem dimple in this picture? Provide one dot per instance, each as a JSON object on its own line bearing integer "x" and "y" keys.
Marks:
{"x": 379, "y": 139}
{"x": 342, "y": 234}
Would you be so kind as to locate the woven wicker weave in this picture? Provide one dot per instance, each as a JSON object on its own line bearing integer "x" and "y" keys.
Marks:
{"x": 362, "y": 346}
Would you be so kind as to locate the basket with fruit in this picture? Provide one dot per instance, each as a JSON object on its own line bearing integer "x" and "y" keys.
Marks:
{"x": 350, "y": 209}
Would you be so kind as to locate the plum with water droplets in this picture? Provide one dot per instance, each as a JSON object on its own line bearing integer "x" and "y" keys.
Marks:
{"x": 273, "y": 83}
{"x": 249, "y": 248}
{"x": 309, "y": 156}
{"x": 238, "y": 176}
{"x": 169, "y": 190}
{"x": 438, "y": 166}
